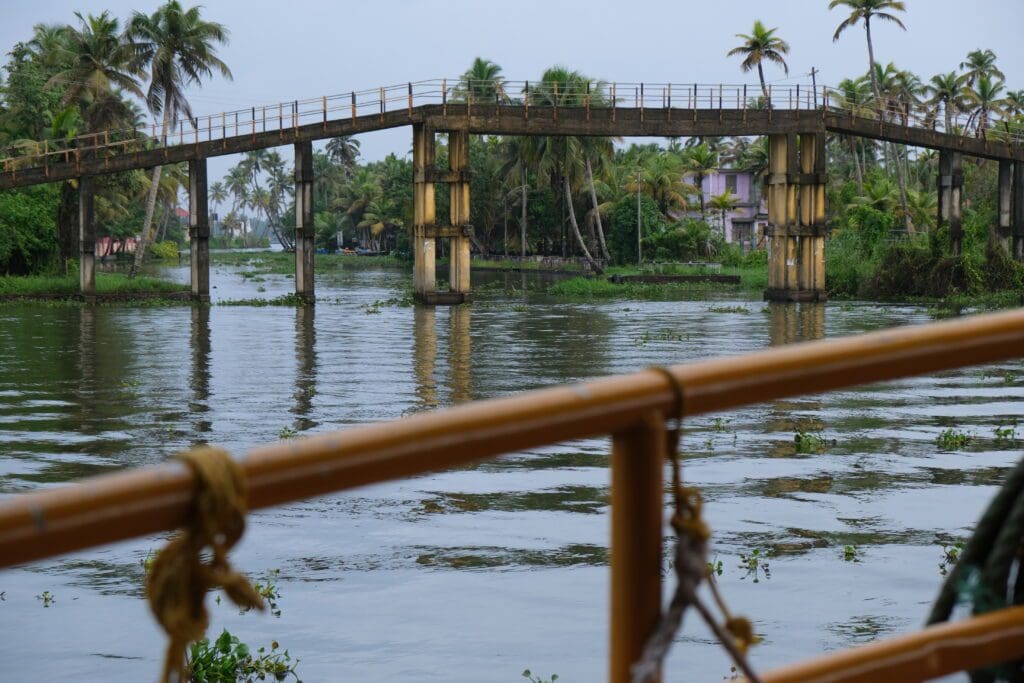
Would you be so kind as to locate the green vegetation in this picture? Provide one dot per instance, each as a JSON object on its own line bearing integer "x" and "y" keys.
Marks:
{"x": 539, "y": 679}
{"x": 809, "y": 442}
{"x": 952, "y": 440}
{"x": 46, "y": 597}
{"x": 106, "y": 284}
{"x": 228, "y": 660}
{"x": 851, "y": 553}
{"x": 753, "y": 563}
{"x": 950, "y": 556}
{"x": 267, "y": 588}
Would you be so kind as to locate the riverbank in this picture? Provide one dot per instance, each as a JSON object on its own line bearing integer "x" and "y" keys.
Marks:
{"x": 110, "y": 287}
{"x": 283, "y": 262}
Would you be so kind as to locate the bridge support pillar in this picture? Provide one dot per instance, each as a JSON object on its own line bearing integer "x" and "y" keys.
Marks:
{"x": 86, "y": 240}
{"x": 951, "y": 184}
{"x": 305, "y": 230}
{"x": 424, "y": 215}
{"x": 796, "y": 218}
{"x": 1018, "y": 210}
{"x": 199, "y": 229}
{"x": 458, "y": 164}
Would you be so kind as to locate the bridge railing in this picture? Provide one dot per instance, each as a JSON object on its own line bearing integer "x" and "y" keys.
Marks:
{"x": 632, "y": 409}
{"x": 284, "y": 116}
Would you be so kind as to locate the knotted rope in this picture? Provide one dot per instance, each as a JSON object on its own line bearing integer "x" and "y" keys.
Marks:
{"x": 691, "y": 552}
{"x": 982, "y": 574}
{"x": 179, "y": 578}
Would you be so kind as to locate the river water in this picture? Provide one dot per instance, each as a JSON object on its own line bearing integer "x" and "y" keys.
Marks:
{"x": 479, "y": 573}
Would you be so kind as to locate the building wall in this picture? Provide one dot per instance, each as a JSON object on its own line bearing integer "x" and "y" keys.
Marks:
{"x": 750, "y": 207}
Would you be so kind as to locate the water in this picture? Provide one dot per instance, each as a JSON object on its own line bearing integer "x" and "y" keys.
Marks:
{"x": 478, "y": 573}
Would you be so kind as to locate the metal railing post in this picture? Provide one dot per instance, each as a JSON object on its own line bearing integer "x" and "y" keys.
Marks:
{"x": 638, "y": 460}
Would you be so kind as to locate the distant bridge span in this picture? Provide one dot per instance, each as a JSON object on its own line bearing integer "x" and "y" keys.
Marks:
{"x": 796, "y": 124}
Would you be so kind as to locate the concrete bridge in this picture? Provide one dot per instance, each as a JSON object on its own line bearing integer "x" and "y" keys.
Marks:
{"x": 796, "y": 120}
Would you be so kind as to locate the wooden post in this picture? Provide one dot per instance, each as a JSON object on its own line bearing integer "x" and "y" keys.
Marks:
{"x": 86, "y": 240}
{"x": 305, "y": 231}
{"x": 199, "y": 229}
{"x": 424, "y": 248}
{"x": 951, "y": 182}
{"x": 458, "y": 187}
{"x": 638, "y": 459}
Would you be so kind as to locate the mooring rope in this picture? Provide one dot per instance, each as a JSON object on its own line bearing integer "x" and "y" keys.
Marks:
{"x": 179, "y": 578}
{"x": 982, "y": 574}
{"x": 736, "y": 634}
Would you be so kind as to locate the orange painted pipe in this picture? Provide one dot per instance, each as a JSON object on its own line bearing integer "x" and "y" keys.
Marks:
{"x": 144, "y": 501}
{"x": 933, "y": 652}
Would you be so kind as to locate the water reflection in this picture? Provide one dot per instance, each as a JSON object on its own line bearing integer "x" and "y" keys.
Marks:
{"x": 791, "y": 323}
{"x": 200, "y": 379}
{"x": 305, "y": 367}
{"x": 424, "y": 348}
{"x": 460, "y": 354}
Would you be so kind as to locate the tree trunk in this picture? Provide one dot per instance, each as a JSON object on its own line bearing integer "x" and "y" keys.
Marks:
{"x": 901, "y": 182}
{"x": 522, "y": 221}
{"x": 576, "y": 228}
{"x": 147, "y": 224}
{"x": 700, "y": 194}
{"x": 597, "y": 212}
{"x": 856, "y": 164}
{"x": 764, "y": 88}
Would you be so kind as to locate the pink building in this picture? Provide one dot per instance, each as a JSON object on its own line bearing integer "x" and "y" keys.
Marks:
{"x": 746, "y": 222}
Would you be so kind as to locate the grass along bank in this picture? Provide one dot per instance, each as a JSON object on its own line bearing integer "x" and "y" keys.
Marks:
{"x": 753, "y": 278}
{"x": 283, "y": 263}
{"x": 108, "y": 285}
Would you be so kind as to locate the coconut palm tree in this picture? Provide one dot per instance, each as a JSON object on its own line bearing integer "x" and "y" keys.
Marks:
{"x": 662, "y": 179}
{"x": 865, "y": 11}
{"x": 179, "y": 48}
{"x": 700, "y": 162}
{"x": 759, "y": 45}
{"x": 723, "y": 203}
{"x": 517, "y": 159}
{"x": 343, "y": 151}
{"x": 980, "y": 63}
{"x": 984, "y": 99}
{"x": 946, "y": 90}
{"x": 481, "y": 82}
{"x": 1013, "y": 103}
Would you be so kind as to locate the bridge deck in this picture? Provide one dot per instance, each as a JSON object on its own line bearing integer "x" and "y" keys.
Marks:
{"x": 496, "y": 120}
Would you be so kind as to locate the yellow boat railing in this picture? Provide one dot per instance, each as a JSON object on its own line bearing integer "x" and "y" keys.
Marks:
{"x": 630, "y": 408}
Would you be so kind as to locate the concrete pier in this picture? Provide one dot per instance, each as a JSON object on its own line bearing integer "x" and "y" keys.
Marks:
{"x": 796, "y": 218}
{"x": 86, "y": 239}
{"x": 305, "y": 229}
{"x": 424, "y": 215}
{"x": 1018, "y": 211}
{"x": 199, "y": 229}
{"x": 951, "y": 185}
{"x": 460, "y": 242}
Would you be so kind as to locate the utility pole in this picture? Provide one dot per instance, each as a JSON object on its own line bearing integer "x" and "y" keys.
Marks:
{"x": 639, "y": 230}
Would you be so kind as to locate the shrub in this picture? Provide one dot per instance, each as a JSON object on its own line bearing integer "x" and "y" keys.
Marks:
{"x": 28, "y": 229}
{"x": 166, "y": 250}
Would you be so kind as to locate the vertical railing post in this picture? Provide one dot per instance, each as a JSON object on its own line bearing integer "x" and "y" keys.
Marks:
{"x": 638, "y": 461}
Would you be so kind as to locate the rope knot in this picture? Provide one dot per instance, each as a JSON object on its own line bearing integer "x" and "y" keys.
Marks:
{"x": 179, "y": 579}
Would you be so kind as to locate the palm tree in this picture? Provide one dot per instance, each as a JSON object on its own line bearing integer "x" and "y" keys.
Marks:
{"x": 662, "y": 179}
{"x": 178, "y": 47}
{"x": 759, "y": 45}
{"x": 946, "y": 90}
{"x": 517, "y": 159}
{"x": 95, "y": 64}
{"x": 481, "y": 82}
{"x": 700, "y": 162}
{"x": 980, "y": 63}
{"x": 723, "y": 203}
{"x": 1014, "y": 103}
{"x": 856, "y": 98}
{"x": 343, "y": 151}
{"x": 865, "y": 10}
{"x": 983, "y": 98}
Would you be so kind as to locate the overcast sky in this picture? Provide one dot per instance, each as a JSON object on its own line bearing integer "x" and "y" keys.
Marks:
{"x": 308, "y": 48}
